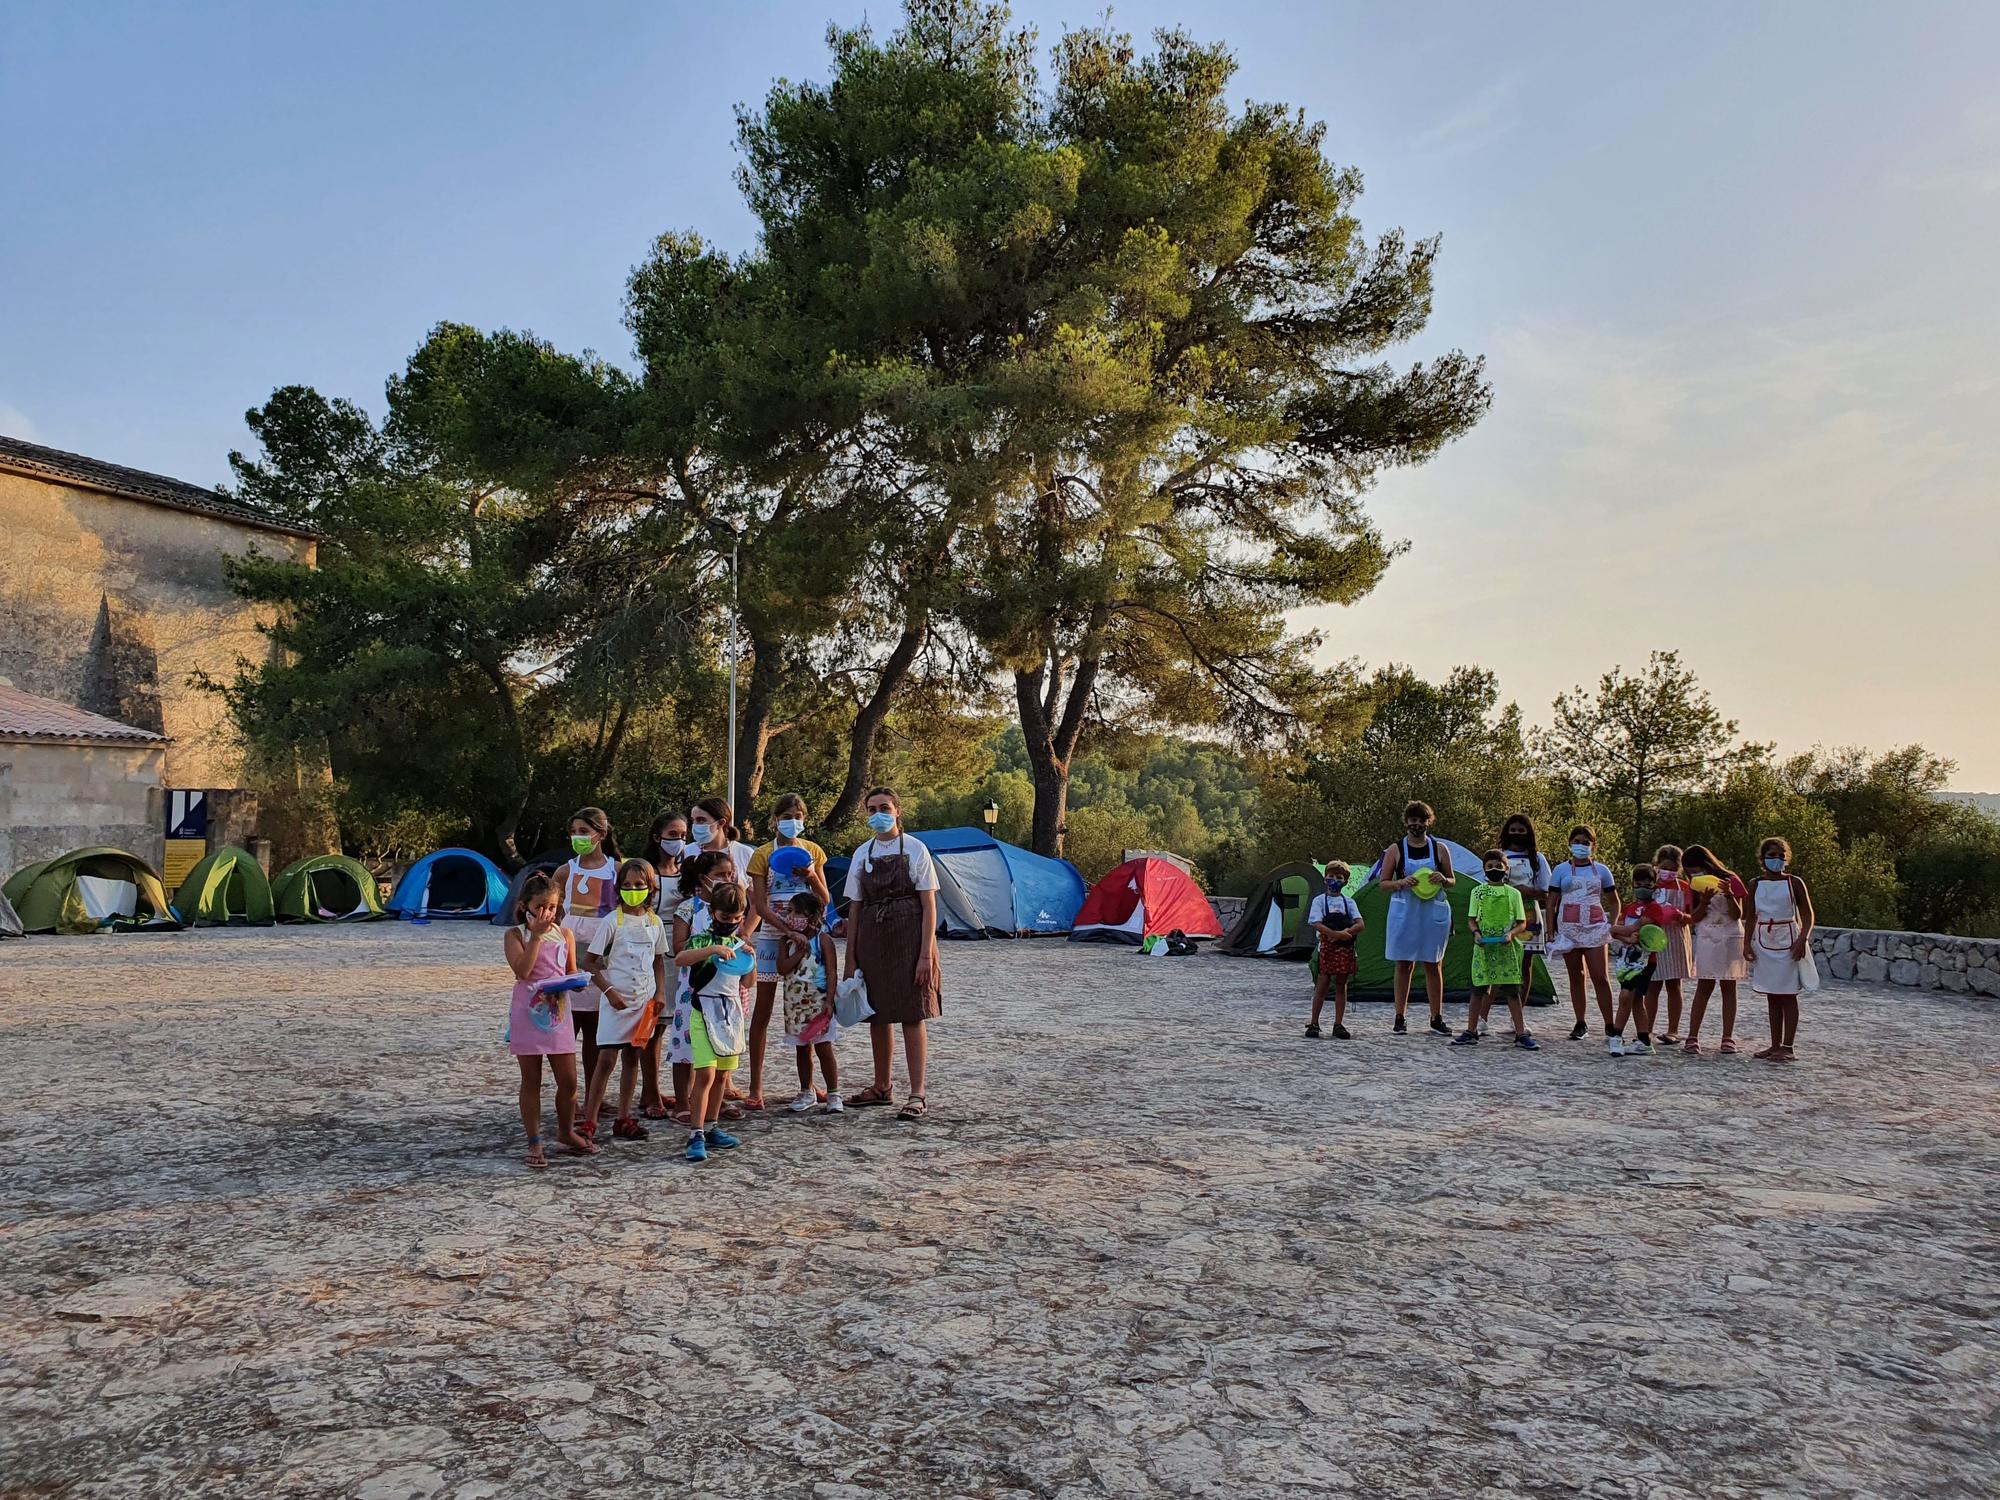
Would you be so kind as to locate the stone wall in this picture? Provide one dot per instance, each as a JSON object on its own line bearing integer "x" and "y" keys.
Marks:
{"x": 110, "y": 604}
{"x": 1919, "y": 960}
{"x": 58, "y": 797}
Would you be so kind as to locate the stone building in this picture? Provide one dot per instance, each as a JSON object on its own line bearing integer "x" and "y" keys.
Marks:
{"x": 112, "y": 600}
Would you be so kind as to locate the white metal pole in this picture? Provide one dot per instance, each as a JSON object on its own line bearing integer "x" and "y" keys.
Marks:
{"x": 734, "y": 541}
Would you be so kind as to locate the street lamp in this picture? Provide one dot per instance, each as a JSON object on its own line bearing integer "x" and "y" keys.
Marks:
{"x": 992, "y": 816}
{"x": 735, "y": 541}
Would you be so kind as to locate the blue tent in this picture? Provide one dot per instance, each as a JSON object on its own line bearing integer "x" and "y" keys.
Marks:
{"x": 450, "y": 883}
{"x": 990, "y": 889}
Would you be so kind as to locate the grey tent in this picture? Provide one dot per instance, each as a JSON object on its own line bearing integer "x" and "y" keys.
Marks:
{"x": 541, "y": 864}
{"x": 10, "y": 920}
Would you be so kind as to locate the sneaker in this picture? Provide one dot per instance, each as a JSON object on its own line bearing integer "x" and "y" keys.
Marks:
{"x": 1341, "y": 1033}
{"x": 1401, "y": 1026}
{"x": 1466, "y": 1039}
{"x": 835, "y": 1105}
{"x": 1526, "y": 1042}
{"x": 1639, "y": 1049}
{"x": 697, "y": 1149}
{"x": 1616, "y": 1046}
{"x": 1578, "y": 1032}
{"x": 802, "y": 1101}
{"x": 722, "y": 1140}
{"x": 1312, "y": 1030}
{"x": 1440, "y": 1025}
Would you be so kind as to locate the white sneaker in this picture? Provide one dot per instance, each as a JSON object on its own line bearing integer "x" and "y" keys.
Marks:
{"x": 835, "y": 1105}
{"x": 1616, "y": 1046}
{"x": 802, "y": 1101}
{"x": 1639, "y": 1049}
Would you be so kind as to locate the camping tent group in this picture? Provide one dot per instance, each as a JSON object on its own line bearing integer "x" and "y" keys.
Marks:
{"x": 987, "y": 888}
{"x": 1273, "y": 925}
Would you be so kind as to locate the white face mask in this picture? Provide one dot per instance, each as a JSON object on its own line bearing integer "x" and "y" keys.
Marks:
{"x": 672, "y": 847}
{"x": 703, "y": 832}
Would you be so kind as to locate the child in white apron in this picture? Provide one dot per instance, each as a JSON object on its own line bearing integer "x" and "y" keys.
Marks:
{"x": 1581, "y": 898}
{"x": 1777, "y": 942}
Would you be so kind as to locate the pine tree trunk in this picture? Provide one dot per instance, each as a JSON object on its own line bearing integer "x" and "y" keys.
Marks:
{"x": 754, "y": 733}
{"x": 868, "y": 722}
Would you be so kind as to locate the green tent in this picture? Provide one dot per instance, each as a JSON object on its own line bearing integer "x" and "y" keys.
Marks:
{"x": 88, "y": 890}
{"x": 326, "y": 888}
{"x": 226, "y": 889}
{"x": 1273, "y": 924}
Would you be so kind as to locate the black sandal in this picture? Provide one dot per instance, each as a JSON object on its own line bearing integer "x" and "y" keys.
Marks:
{"x": 913, "y": 1108}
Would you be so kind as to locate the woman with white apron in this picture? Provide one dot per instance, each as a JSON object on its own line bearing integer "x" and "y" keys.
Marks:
{"x": 1419, "y": 925}
{"x": 1581, "y": 897}
{"x": 1777, "y": 941}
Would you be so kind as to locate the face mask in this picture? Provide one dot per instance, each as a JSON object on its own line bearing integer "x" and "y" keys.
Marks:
{"x": 791, "y": 828}
{"x": 632, "y": 898}
{"x": 1775, "y": 864}
{"x": 1415, "y": 830}
{"x": 581, "y": 843}
{"x": 882, "y": 822}
{"x": 1642, "y": 893}
{"x": 1496, "y": 873}
{"x": 703, "y": 832}
{"x": 672, "y": 847}
{"x": 1516, "y": 841}
{"x": 721, "y": 928}
{"x": 1579, "y": 851}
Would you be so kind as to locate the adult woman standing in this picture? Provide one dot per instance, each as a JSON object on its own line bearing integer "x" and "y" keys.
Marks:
{"x": 1419, "y": 925}
{"x": 892, "y": 894}
{"x": 666, "y": 842}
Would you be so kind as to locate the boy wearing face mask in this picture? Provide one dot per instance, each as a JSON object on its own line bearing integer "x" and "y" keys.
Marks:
{"x": 1635, "y": 965}
{"x": 1499, "y": 920}
{"x": 1337, "y": 920}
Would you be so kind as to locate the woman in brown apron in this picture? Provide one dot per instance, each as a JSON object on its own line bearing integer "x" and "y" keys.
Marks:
{"x": 893, "y": 909}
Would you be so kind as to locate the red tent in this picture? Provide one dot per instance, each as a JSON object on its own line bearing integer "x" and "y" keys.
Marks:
{"x": 1140, "y": 899}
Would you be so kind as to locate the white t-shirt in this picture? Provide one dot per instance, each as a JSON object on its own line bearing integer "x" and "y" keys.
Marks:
{"x": 1527, "y": 872}
{"x": 633, "y": 943}
{"x": 923, "y": 874}
{"x": 742, "y": 854}
{"x": 1326, "y": 902}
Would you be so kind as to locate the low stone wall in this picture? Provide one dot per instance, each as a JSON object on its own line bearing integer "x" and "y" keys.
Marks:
{"x": 1920, "y": 960}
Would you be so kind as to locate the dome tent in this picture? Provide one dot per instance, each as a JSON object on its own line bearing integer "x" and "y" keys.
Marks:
{"x": 1273, "y": 923}
{"x": 10, "y": 920}
{"x": 227, "y": 887}
{"x": 987, "y": 888}
{"x": 326, "y": 888}
{"x": 541, "y": 864}
{"x": 450, "y": 883}
{"x": 1142, "y": 898}
{"x": 87, "y": 890}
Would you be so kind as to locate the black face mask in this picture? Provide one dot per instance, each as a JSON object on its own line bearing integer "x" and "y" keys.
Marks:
{"x": 1516, "y": 841}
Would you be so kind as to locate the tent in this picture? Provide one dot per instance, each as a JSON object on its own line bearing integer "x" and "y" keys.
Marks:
{"x": 989, "y": 889}
{"x": 541, "y": 864}
{"x": 10, "y": 920}
{"x": 326, "y": 888}
{"x": 226, "y": 888}
{"x": 87, "y": 890}
{"x": 1142, "y": 898}
{"x": 1277, "y": 928}
{"x": 1273, "y": 924}
{"x": 450, "y": 883}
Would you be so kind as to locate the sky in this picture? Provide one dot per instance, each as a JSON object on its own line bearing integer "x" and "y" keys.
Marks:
{"x": 1730, "y": 265}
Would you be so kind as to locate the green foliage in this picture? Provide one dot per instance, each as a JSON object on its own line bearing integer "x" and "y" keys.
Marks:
{"x": 1949, "y": 881}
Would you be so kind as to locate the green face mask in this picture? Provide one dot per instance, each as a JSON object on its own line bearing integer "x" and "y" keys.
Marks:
{"x": 579, "y": 843}
{"x": 632, "y": 898}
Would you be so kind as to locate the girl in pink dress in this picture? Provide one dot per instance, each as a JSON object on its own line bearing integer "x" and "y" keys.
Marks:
{"x": 540, "y": 951}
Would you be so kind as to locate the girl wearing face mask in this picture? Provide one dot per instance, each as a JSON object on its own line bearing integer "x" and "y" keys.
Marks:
{"x": 590, "y": 894}
{"x": 1777, "y": 943}
{"x": 712, "y": 825}
{"x": 668, "y": 842}
{"x": 892, "y": 895}
{"x": 771, "y": 892}
{"x": 1419, "y": 926}
{"x": 1577, "y": 914}
{"x": 1527, "y": 872}
{"x": 1719, "y": 899}
{"x": 702, "y": 875}
{"x": 1671, "y": 890}
{"x": 628, "y": 958}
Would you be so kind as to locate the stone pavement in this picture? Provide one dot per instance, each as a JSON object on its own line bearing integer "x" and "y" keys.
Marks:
{"x": 266, "y": 1234}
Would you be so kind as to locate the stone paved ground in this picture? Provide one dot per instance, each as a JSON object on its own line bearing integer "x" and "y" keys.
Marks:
{"x": 265, "y": 1234}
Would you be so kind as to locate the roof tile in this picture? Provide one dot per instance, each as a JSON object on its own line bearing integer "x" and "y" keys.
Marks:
{"x": 134, "y": 484}
{"x": 23, "y": 716}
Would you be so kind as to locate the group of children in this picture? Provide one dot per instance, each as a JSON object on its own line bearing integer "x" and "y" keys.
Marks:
{"x": 1689, "y": 918}
{"x": 694, "y": 944}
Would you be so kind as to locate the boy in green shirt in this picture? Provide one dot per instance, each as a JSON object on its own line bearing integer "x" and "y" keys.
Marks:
{"x": 1498, "y": 920}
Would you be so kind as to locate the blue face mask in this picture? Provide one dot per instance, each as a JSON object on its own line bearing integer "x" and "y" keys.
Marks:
{"x": 791, "y": 828}
{"x": 1642, "y": 893}
{"x": 1579, "y": 851}
{"x": 1774, "y": 864}
{"x": 884, "y": 823}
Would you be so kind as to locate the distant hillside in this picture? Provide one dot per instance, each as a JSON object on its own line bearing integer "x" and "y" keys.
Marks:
{"x": 1986, "y": 802}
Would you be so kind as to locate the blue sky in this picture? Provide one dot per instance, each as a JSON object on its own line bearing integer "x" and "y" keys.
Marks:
{"x": 1729, "y": 264}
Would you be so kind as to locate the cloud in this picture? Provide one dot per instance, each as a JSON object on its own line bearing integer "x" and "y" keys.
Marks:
{"x": 14, "y": 423}
{"x": 1481, "y": 120}
{"x": 1974, "y": 182}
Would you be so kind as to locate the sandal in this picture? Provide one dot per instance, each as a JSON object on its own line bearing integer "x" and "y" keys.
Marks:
{"x": 629, "y": 1129}
{"x": 586, "y": 1128}
{"x": 535, "y": 1158}
{"x": 913, "y": 1108}
{"x": 655, "y": 1111}
{"x": 1728, "y": 1044}
{"x": 1691, "y": 1045}
{"x": 756, "y": 1102}
{"x": 873, "y": 1094}
{"x": 731, "y": 1110}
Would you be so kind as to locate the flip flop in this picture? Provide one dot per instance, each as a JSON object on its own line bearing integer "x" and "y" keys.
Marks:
{"x": 535, "y": 1157}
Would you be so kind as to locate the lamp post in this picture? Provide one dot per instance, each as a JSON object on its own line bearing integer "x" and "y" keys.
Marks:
{"x": 992, "y": 816}
{"x": 735, "y": 541}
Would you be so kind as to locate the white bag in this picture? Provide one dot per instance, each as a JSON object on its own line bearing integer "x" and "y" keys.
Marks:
{"x": 1808, "y": 975}
{"x": 850, "y": 1001}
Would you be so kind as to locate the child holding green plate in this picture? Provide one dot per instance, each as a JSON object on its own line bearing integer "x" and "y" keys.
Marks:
{"x": 1498, "y": 921}
{"x": 1641, "y": 932}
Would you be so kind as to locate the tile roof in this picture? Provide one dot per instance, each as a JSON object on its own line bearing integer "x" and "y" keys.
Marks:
{"x": 23, "y": 716}
{"x": 38, "y": 462}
